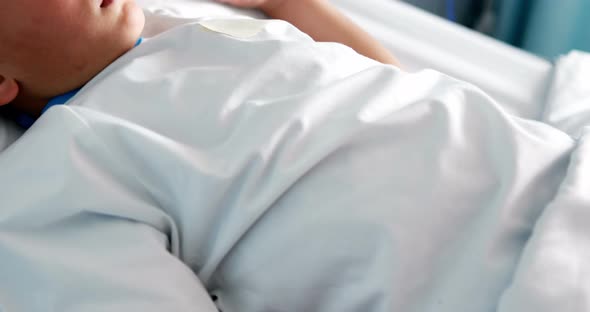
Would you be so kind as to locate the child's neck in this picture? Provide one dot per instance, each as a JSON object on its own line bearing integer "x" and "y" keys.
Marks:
{"x": 29, "y": 105}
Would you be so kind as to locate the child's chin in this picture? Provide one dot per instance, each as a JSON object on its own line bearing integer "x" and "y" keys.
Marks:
{"x": 134, "y": 16}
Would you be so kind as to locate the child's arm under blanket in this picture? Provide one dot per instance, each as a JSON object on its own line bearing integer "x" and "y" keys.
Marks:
{"x": 323, "y": 22}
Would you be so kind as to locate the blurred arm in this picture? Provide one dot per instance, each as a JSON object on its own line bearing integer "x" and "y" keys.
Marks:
{"x": 323, "y": 22}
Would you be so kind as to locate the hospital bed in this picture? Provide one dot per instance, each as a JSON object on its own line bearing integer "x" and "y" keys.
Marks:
{"x": 489, "y": 204}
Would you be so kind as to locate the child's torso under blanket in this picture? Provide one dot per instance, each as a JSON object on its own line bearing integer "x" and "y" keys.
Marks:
{"x": 286, "y": 174}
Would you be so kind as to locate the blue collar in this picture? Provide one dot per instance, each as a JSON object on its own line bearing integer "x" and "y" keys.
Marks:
{"x": 26, "y": 121}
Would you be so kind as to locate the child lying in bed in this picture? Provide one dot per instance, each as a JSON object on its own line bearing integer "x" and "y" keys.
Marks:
{"x": 237, "y": 164}
{"x": 48, "y": 53}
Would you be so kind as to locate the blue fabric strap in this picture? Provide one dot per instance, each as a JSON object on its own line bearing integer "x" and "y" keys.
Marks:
{"x": 60, "y": 100}
{"x": 26, "y": 121}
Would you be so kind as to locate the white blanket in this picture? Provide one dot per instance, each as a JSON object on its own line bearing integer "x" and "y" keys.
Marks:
{"x": 279, "y": 174}
{"x": 554, "y": 272}
{"x": 568, "y": 99}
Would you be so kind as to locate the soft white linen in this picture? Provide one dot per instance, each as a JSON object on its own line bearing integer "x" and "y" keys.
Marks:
{"x": 194, "y": 9}
{"x": 288, "y": 176}
{"x": 516, "y": 79}
{"x": 568, "y": 99}
{"x": 554, "y": 273}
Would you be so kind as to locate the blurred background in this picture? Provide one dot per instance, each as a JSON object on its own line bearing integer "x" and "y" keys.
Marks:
{"x": 547, "y": 28}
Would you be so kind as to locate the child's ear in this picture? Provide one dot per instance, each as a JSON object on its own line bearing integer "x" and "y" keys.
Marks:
{"x": 8, "y": 90}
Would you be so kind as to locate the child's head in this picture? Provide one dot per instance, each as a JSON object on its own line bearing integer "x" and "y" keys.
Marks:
{"x": 48, "y": 47}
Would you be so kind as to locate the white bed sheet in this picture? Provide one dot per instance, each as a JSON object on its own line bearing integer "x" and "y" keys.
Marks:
{"x": 516, "y": 79}
{"x": 568, "y": 99}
